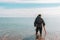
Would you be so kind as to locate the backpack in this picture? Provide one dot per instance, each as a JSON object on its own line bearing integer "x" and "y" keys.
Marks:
{"x": 39, "y": 20}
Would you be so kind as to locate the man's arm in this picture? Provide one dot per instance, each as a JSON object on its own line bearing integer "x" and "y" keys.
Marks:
{"x": 44, "y": 26}
{"x": 44, "y": 29}
{"x": 35, "y": 22}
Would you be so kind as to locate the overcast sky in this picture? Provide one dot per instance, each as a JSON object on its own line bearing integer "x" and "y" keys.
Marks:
{"x": 28, "y": 9}
{"x": 38, "y": 1}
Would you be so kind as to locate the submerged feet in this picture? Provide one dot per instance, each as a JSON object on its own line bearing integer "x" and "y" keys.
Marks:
{"x": 39, "y": 37}
{"x": 36, "y": 36}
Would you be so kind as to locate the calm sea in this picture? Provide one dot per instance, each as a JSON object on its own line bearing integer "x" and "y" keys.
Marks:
{"x": 25, "y": 26}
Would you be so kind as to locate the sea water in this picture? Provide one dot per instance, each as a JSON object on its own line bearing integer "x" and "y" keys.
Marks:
{"x": 24, "y": 26}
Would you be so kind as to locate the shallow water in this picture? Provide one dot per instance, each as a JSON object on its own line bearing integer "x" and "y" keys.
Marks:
{"x": 23, "y": 29}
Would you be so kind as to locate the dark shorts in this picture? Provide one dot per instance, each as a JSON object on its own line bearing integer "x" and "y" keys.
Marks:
{"x": 39, "y": 29}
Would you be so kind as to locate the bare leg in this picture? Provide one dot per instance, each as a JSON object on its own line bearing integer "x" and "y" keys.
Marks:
{"x": 36, "y": 33}
{"x": 40, "y": 32}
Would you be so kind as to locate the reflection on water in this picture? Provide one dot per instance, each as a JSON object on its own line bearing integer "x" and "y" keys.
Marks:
{"x": 14, "y": 28}
{"x": 48, "y": 36}
{"x": 16, "y": 36}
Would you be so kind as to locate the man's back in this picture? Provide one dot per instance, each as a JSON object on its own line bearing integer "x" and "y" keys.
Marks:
{"x": 39, "y": 21}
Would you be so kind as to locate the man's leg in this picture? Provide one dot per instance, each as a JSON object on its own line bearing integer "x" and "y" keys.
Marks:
{"x": 40, "y": 31}
{"x": 36, "y": 33}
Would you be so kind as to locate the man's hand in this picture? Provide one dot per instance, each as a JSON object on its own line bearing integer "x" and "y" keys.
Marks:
{"x": 34, "y": 26}
{"x": 45, "y": 30}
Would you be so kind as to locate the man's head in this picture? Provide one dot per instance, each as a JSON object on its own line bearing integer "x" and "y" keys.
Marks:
{"x": 39, "y": 15}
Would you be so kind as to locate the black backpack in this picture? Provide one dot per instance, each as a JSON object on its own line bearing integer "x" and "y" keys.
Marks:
{"x": 39, "y": 20}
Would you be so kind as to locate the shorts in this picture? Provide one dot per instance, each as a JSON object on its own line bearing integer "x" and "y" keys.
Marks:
{"x": 39, "y": 29}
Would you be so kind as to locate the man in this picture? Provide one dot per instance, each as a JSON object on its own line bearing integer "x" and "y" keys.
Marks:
{"x": 39, "y": 23}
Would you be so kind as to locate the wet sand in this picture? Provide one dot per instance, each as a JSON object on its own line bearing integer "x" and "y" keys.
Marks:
{"x": 48, "y": 36}
{"x": 12, "y": 36}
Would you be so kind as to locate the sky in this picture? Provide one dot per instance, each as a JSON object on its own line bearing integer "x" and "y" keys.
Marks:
{"x": 13, "y": 8}
{"x": 38, "y": 1}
